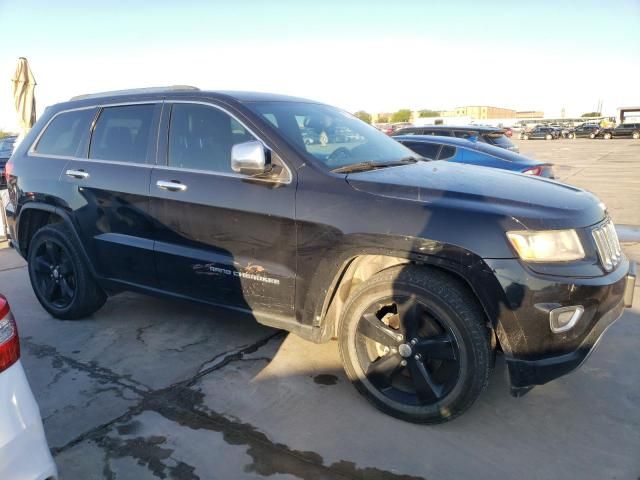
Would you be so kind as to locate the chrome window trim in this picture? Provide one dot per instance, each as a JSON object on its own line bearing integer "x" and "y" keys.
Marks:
{"x": 33, "y": 153}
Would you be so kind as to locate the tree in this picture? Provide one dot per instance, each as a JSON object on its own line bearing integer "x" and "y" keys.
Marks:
{"x": 383, "y": 119}
{"x": 429, "y": 113}
{"x": 402, "y": 115}
{"x": 592, "y": 114}
{"x": 364, "y": 116}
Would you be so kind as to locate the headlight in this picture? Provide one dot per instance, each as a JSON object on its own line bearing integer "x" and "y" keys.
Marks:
{"x": 547, "y": 246}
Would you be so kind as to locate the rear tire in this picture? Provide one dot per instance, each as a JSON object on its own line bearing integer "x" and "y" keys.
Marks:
{"x": 592, "y": 136}
{"x": 571, "y": 136}
{"x": 60, "y": 279}
{"x": 431, "y": 322}
{"x": 607, "y": 136}
{"x": 549, "y": 137}
{"x": 525, "y": 137}
{"x": 635, "y": 135}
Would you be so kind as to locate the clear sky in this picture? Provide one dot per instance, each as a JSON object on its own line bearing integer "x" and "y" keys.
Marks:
{"x": 372, "y": 55}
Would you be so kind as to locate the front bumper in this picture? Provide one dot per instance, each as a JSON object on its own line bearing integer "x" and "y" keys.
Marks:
{"x": 534, "y": 354}
{"x": 24, "y": 453}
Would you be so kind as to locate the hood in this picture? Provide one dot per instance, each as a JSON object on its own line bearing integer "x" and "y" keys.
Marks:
{"x": 533, "y": 202}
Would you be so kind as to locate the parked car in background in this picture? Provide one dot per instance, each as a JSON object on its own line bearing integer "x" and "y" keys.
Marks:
{"x": 462, "y": 150}
{"x": 545, "y": 133}
{"x": 624, "y": 130}
{"x": 423, "y": 271}
{"x": 24, "y": 453}
{"x": 491, "y": 135}
{"x": 589, "y": 130}
{"x": 386, "y": 128}
{"x": 6, "y": 149}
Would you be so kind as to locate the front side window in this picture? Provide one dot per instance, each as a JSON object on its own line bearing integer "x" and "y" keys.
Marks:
{"x": 123, "y": 134}
{"x": 331, "y": 136}
{"x": 66, "y": 134}
{"x": 201, "y": 138}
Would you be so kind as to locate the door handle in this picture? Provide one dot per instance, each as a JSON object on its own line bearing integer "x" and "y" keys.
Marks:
{"x": 81, "y": 174}
{"x": 172, "y": 186}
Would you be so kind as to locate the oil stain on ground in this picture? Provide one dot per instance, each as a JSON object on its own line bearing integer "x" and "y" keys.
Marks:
{"x": 185, "y": 406}
{"x": 325, "y": 379}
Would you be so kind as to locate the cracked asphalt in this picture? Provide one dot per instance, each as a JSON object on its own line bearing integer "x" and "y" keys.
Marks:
{"x": 150, "y": 388}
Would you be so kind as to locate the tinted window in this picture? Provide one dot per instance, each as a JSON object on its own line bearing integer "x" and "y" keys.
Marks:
{"x": 123, "y": 134}
{"x": 201, "y": 137}
{"x": 441, "y": 133}
{"x": 428, "y": 150}
{"x": 499, "y": 139}
{"x": 66, "y": 133}
{"x": 447, "y": 152}
{"x": 466, "y": 134}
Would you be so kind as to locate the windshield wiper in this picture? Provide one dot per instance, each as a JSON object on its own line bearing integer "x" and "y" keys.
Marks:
{"x": 368, "y": 165}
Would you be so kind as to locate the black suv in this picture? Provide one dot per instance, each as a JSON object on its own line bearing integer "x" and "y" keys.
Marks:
{"x": 585, "y": 130}
{"x": 624, "y": 130}
{"x": 543, "y": 133}
{"x": 491, "y": 135}
{"x": 422, "y": 270}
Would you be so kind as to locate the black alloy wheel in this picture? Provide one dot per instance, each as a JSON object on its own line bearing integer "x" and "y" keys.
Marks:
{"x": 60, "y": 276}
{"x": 406, "y": 352}
{"x": 414, "y": 342}
{"x": 55, "y": 274}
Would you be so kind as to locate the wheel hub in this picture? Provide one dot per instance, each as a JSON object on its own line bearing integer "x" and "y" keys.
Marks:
{"x": 405, "y": 350}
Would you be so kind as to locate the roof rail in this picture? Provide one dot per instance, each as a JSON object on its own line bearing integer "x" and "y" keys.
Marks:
{"x": 171, "y": 88}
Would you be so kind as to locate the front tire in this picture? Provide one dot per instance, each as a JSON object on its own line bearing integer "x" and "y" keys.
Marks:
{"x": 549, "y": 137}
{"x": 414, "y": 343}
{"x": 607, "y": 136}
{"x": 636, "y": 135}
{"x": 571, "y": 136}
{"x": 60, "y": 279}
{"x": 525, "y": 137}
{"x": 592, "y": 136}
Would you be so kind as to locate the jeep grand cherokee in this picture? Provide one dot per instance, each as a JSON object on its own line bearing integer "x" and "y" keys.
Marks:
{"x": 422, "y": 270}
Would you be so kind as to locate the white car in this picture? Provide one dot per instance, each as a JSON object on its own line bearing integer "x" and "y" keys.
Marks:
{"x": 24, "y": 453}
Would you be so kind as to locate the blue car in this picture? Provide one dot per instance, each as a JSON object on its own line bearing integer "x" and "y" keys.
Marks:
{"x": 469, "y": 150}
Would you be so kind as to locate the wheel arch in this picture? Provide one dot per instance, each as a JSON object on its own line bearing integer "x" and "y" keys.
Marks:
{"x": 359, "y": 268}
{"x": 35, "y": 215}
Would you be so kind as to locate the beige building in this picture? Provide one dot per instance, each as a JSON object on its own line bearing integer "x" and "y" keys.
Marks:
{"x": 530, "y": 114}
{"x": 479, "y": 112}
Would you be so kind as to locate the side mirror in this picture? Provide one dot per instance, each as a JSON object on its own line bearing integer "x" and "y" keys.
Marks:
{"x": 249, "y": 158}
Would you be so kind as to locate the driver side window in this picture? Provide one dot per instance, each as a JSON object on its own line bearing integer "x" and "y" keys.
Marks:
{"x": 201, "y": 138}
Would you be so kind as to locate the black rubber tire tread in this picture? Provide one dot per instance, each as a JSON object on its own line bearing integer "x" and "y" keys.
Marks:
{"x": 89, "y": 297}
{"x": 460, "y": 301}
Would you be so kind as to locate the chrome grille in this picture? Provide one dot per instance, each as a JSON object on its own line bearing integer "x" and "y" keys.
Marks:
{"x": 608, "y": 245}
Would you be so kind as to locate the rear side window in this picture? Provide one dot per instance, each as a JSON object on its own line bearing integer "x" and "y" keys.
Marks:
{"x": 67, "y": 134}
{"x": 123, "y": 134}
{"x": 500, "y": 139}
{"x": 447, "y": 152}
{"x": 428, "y": 150}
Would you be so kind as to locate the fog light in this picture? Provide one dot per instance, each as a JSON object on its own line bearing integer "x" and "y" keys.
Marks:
{"x": 565, "y": 318}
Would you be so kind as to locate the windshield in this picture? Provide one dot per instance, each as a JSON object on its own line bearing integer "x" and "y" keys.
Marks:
{"x": 331, "y": 136}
